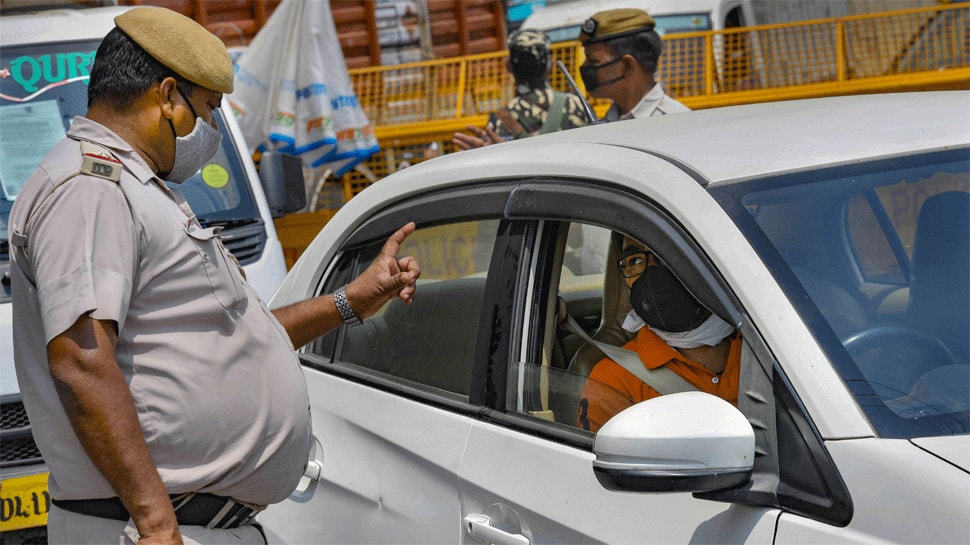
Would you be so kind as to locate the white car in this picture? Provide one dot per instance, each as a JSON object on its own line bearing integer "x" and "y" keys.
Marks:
{"x": 832, "y": 232}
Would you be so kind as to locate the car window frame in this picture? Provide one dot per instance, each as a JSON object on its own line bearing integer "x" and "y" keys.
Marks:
{"x": 473, "y": 202}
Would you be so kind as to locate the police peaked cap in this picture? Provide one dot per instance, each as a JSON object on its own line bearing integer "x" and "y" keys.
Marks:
{"x": 615, "y": 23}
{"x": 180, "y": 44}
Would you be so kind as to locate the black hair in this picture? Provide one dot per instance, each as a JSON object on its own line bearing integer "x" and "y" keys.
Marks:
{"x": 122, "y": 71}
{"x": 645, "y": 47}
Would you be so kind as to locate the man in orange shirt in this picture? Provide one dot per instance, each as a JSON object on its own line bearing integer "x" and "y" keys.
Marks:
{"x": 673, "y": 331}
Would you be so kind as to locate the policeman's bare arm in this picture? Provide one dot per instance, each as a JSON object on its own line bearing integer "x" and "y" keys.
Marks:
{"x": 97, "y": 400}
{"x": 388, "y": 277}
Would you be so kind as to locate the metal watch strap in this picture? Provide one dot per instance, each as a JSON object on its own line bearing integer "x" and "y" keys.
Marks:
{"x": 343, "y": 306}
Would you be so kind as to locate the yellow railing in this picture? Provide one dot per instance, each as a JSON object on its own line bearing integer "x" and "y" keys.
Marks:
{"x": 412, "y": 105}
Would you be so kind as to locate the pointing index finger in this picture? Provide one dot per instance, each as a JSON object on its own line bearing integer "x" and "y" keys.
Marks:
{"x": 394, "y": 242}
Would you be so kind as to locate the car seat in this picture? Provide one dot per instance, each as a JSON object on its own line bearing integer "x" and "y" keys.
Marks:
{"x": 939, "y": 294}
{"x": 615, "y": 307}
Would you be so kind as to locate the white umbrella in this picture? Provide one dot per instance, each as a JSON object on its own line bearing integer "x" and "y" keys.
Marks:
{"x": 293, "y": 93}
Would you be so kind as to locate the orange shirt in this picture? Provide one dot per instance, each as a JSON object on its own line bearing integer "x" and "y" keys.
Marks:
{"x": 610, "y": 388}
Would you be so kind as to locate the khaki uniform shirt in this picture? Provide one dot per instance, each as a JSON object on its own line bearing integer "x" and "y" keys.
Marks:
{"x": 218, "y": 389}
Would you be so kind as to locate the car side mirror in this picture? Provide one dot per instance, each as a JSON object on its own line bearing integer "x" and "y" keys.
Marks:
{"x": 683, "y": 442}
{"x": 281, "y": 176}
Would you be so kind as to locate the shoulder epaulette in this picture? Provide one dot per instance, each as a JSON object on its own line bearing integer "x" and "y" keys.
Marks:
{"x": 98, "y": 161}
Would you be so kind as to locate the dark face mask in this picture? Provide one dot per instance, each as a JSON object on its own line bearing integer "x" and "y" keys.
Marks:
{"x": 589, "y": 74}
{"x": 663, "y": 302}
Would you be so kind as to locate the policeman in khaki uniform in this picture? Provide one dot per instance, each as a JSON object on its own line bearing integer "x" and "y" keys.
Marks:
{"x": 536, "y": 107}
{"x": 165, "y": 396}
{"x": 622, "y": 53}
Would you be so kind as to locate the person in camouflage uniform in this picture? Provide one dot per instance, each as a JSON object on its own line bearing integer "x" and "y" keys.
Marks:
{"x": 536, "y": 108}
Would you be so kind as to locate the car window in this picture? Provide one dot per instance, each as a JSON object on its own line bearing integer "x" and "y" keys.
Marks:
{"x": 590, "y": 312}
{"x": 431, "y": 341}
{"x": 901, "y": 345}
{"x": 871, "y": 243}
{"x": 549, "y": 389}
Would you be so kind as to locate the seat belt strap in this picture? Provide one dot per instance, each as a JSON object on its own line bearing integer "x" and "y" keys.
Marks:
{"x": 661, "y": 379}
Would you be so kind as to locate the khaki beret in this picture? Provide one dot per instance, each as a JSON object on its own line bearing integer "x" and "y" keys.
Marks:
{"x": 614, "y": 23}
{"x": 180, "y": 44}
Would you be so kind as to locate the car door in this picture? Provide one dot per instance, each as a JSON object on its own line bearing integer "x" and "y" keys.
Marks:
{"x": 389, "y": 399}
{"x": 527, "y": 474}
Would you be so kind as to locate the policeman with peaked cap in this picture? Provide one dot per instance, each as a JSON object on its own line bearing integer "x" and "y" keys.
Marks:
{"x": 165, "y": 397}
{"x": 622, "y": 53}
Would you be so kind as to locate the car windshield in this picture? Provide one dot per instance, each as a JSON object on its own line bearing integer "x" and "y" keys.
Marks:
{"x": 875, "y": 258}
{"x": 44, "y": 87}
{"x": 666, "y": 24}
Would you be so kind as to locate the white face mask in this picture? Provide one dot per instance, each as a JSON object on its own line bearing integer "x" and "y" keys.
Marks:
{"x": 194, "y": 150}
{"x": 711, "y": 332}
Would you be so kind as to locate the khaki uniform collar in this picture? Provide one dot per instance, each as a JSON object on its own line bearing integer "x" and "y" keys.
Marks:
{"x": 83, "y": 128}
{"x": 647, "y": 104}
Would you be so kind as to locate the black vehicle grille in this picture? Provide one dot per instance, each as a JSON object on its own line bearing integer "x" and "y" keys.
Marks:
{"x": 246, "y": 242}
{"x": 17, "y": 445}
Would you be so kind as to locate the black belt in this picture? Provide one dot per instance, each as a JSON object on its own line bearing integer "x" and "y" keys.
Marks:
{"x": 191, "y": 509}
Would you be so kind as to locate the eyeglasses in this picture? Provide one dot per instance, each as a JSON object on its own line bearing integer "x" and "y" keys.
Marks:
{"x": 634, "y": 264}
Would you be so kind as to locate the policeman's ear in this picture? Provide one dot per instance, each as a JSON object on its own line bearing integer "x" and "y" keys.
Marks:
{"x": 629, "y": 63}
{"x": 167, "y": 89}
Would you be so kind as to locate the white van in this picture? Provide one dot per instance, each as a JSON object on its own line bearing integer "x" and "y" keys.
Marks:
{"x": 45, "y": 59}
{"x": 562, "y": 20}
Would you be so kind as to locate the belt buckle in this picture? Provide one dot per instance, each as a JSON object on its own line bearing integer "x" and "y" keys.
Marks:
{"x": 232, "y": 514}
{"x": 241, "y": 516}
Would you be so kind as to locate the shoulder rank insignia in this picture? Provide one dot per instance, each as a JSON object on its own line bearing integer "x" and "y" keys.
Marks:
{"x": 98, "y": 161}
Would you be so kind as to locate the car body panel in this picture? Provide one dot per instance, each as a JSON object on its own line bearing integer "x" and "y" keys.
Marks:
{"x": 66, "y": 24}
{"x": 953, "y": 450}
{"x": 418, "y": 494}
{"x": 550, "y": 487}
{"x": 884, "y": 496}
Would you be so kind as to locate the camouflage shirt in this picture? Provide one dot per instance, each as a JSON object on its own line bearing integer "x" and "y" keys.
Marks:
{"x": 530, "y": 107}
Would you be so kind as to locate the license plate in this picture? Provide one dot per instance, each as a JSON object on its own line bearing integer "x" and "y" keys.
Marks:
{"x": 24, "y": 502}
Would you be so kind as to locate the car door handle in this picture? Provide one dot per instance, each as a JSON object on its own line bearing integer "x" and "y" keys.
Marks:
{"x": 480, "y": 527}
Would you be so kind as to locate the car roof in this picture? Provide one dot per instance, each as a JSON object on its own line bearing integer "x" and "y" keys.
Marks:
{"x": 58, "y": 25}
{"x": 743, "y": 142}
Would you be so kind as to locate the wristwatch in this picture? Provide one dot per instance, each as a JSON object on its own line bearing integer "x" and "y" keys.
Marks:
{"x": 343, "y": 306}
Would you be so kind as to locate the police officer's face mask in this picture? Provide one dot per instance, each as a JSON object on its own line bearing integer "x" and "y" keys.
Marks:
{"x": 194, "y": 150}
{"x": 663, "y": 302}
{"x": 590, "y": 77}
